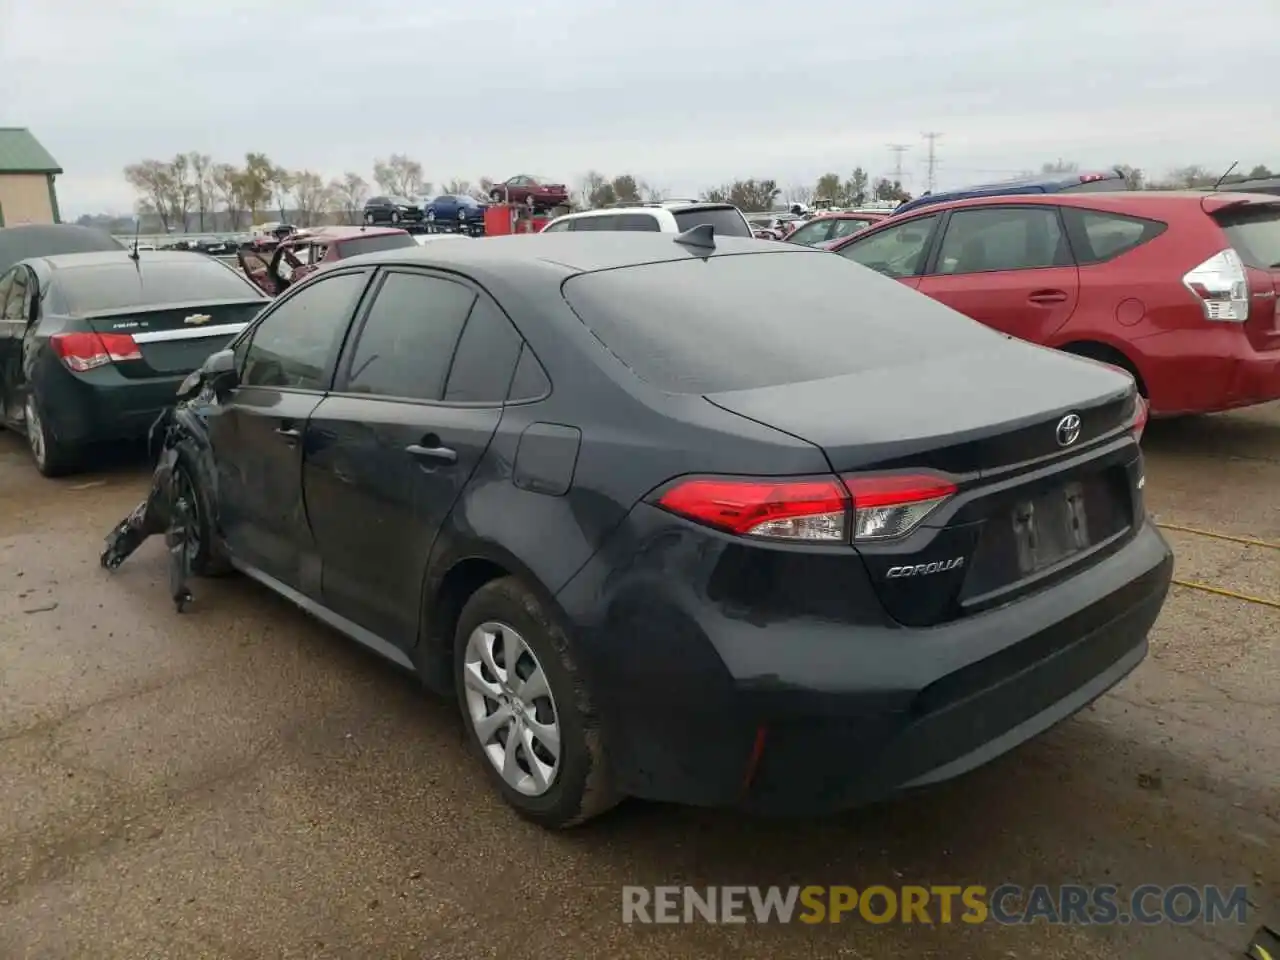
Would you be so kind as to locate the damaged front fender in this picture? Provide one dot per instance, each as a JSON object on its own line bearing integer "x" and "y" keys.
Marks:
{"x": 182, "y": 501}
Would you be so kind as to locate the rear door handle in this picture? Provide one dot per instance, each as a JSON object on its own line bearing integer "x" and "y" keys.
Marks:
{"x": 288, "y": 434}
{"x": 435, "y": 452}
{"x": 1048, "y": 296}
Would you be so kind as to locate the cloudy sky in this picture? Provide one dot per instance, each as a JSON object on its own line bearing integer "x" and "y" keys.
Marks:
{"x": 682, "y": 94}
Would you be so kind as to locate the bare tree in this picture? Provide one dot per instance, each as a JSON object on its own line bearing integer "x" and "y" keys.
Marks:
{"x": 350, "y": 193}
{"x": 830, "y": 188}
{"x": 201, "y": 164}
{"x": 224, "y": 183}
{"x": 311, "y": 195}
{"x": 590, "y": 188}
{"x": 400, "y": 176}
{"x": 457, "y": 188}
{"x": 1060, "y": 166}
{"x": 181, "y": 189}
{"x": 484, "y": 188}
{"x": 800, "y": 194}
{"x": 153, "y": 179}
{"x": 256, "y": 183}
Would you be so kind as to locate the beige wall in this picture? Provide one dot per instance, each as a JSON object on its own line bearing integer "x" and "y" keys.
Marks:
{"x": 24, "y": 198}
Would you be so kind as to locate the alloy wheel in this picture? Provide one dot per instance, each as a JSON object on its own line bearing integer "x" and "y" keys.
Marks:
{"x": 35, "y": 431}
{"x": 511, "y": 708}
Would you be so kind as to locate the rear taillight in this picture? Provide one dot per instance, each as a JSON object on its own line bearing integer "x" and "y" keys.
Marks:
{"x": 785, "y": 509}
{"x": 892, "y": 505}
{"x": 1141, "y": 412}
{"x": 88, "y": 351}
{"x": 853, "y": 508}
{"x": 1222, "y": 287}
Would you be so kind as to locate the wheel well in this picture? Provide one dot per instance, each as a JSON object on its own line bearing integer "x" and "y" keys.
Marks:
{"x": 457, "y": 587}
{"x": 1100, "y": 351}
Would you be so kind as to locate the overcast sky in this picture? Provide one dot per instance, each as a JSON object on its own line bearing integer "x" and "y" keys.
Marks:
{"x": 682, "y": 94}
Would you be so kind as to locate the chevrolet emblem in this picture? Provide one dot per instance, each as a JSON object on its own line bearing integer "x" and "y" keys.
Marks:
{"x": 197, "y": 318}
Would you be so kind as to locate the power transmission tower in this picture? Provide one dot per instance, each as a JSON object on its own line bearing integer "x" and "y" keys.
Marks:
{"x": 898, "y": 150}
{"x": 932, "y": 137}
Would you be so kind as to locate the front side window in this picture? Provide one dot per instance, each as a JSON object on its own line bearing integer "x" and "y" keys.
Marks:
{"x": 897, "y": 251}
{"x": 409, "y": 337}
{"x": 848, "y": 226}
{"x": 812, "y": 233}
{"x": 1003, "y": 238}
{"x": 294, "y": 345}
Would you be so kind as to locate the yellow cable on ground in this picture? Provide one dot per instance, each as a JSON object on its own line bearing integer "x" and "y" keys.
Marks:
{"x": 1249, "y": 541}
{"x": 1194, "y": 585}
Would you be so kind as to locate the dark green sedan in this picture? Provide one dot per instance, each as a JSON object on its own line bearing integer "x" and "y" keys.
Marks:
{"x": 94, "y": 345}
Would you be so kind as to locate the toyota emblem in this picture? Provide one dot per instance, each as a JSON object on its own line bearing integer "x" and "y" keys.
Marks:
{"x": 1068, "y": 430}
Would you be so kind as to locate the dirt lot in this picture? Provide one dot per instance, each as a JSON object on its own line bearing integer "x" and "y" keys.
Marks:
{"x": 239, "y": 782}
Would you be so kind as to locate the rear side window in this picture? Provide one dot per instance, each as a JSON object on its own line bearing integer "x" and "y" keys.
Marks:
{"x": 640, "y": 222}
{"x": 1003, "y": 238}
{"x": 407, "y": 342}
{"x": 486, "y": 357}
{"x": 1255, "y": 235}
{"x": 1097, "y": 237}
{"x": 762, "y": 319}
{"x": 725, "y": 221}
{"x": 530, "y": 381}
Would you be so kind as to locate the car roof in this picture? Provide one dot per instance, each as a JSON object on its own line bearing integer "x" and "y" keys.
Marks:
{"x": 565, "y": 253}
{"x": 1120, "y": 201}
{"x": 850, "y": 215}
{"x": 106, "y": 258}
{"x": 26, "y": 241}
{"x": 344, "y": 232}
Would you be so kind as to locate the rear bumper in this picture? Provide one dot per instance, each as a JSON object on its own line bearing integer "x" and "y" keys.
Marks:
{"x": 709, "y": 703}
{"x": 1206, "y": 370}
{"x": 101, "y": 405}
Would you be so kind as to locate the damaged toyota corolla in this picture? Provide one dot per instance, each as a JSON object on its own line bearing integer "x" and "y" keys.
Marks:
{"x": 646, "y": 506}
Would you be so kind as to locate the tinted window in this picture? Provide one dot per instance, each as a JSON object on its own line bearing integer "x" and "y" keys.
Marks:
{"x": 726, "y": 221}
{"x": 407, "y": 342}
{"x": 642, "y": 222}
{"x": 295, "y": 344}
{"x": 897, "y": 251}
{"x": 387, "y": 241}
{"x": 812, "y": 232}
{"x": 486, "y": 357}
{"x": 737, "y": 322}
{"x": 530, "y": 381}
{"x": 1100, "y": 236}
{"x": 1255, "y": 234}
{"x": 119, "y": 286}
{"x": 1002, "y": 238}
{"x": 46, "y": 240}
{"x": 848, "y": 226}
{"x": 607, "y": 222}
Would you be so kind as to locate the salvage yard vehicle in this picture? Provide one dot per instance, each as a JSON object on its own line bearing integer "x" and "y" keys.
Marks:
{"x": 533, "y": 192}
{"x": 393, "y": 210}
{"x": 275, "y": 269}
{"x": 451, "y": 208}
{"x": 47, "y": 240}
{"x": 832, "y": 226}
{"x": 659, "y": 216}
{"x": 759, "y": 575}
{"x": 93, "y": 344}
{"x": 1178, "y": 288}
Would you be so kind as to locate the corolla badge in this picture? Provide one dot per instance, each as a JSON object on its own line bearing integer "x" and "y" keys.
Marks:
{"x": 197, "y": 318}
{"x": 1068, "y": 431}
{"x": 924, "y": 569}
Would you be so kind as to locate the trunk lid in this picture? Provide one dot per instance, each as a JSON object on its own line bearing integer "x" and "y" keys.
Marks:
{"x": 980, "y": 413}
{"x": 1252, "y": 228}
{"x": 175, "y": 338}
{"x": 1028, "y": 510}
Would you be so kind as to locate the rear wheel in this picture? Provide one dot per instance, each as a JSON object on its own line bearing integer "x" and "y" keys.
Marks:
{"x": 206, "y": 559}
{"x": 395, "y": 217}
{"x": 53, "y": 457}
{"x": 368, "y": 218}
{"x": 529, "y": 713}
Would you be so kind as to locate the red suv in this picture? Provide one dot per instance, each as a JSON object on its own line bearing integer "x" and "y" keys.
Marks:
{"x": 1179, "y": 288}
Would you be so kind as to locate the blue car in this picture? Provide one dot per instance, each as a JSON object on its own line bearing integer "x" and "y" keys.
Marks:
{"x": 1106, "y": 182}
{"x": 457, "y": 210}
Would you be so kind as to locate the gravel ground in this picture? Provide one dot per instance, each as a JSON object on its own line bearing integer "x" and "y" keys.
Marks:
{"x": 240, "y": 782}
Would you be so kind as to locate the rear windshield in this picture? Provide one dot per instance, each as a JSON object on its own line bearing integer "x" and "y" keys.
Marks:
{"x": 121, "y": 286}
{"x": 763, "y": 319}
{"x": 387, "y": 241}
{"x": 19, "y": 243}
{"x": 1255, "y": 235}
{"x": 726, "y": 221}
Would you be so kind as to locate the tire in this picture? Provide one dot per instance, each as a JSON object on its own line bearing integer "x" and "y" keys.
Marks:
{"x": 395, "y": 218}
{"x": 431, "y": 216}
{"x": 368, "y": 218}
{"x": 208, "y": 561}
{"x": 52, "y": 457}
{"x": 579, "y": 786}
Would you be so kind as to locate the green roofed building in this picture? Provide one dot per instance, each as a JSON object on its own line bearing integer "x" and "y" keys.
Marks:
{"x": 27, "y": 192}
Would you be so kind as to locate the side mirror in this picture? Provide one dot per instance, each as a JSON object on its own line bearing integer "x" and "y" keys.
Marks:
{"x": 219, "y": 371}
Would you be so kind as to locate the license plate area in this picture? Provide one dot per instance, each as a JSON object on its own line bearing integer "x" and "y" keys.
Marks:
{"x": 1027, "y": 535}
{"x": 1050, "y": 528}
